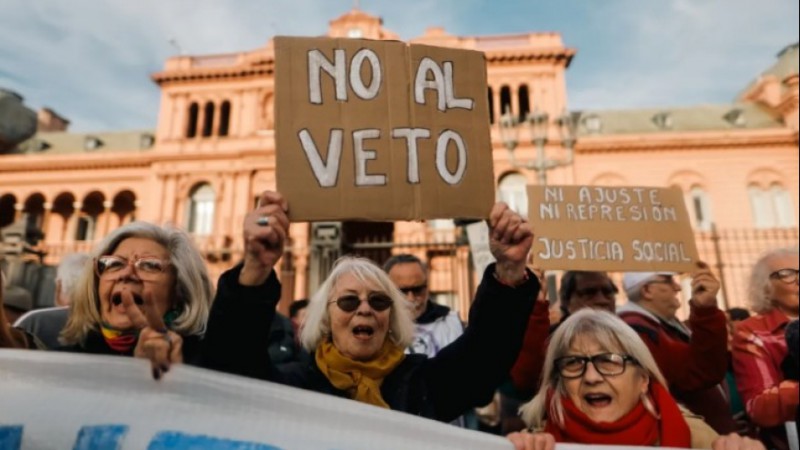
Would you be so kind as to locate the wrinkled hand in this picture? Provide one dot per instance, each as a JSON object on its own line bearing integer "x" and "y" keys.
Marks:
{"x": 532, "y": 441}
{"x": 705, "y": 286}
{"x": 263, "y": 244}
{"x": 735, "y": 442}
{"x": 156, "y": 343}
{"x": 510, "y": 240}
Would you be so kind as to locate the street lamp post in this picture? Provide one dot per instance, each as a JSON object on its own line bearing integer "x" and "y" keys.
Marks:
{"x": 538, "y": 123}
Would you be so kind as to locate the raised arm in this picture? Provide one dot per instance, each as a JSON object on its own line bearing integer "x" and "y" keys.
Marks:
{"x": 237, "y": 338}
{"x": 466, "y": 373}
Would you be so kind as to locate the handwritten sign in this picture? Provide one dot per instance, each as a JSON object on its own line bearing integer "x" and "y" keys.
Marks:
{"x": 381, "y": 130}
{"x": 611, "y": 228}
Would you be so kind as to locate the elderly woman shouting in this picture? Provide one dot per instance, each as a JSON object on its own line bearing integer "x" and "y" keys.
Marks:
{"x": 359, "y": 324}
{"x": 602, "y": 386}
{"x": 147, "y": 293}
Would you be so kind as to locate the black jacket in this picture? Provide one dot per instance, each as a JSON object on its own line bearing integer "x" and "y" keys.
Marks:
{"x": 95, "y": 344}
{"x": 461, "y": 376}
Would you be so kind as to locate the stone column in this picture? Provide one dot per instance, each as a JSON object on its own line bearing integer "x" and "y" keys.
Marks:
{"x": 106, "y": 227}
{"x": 48, "y": 209}
{"x": 18, "y": 207}
{"x": 72, "y": 223}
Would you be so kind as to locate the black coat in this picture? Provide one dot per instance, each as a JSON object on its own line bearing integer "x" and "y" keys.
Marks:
{"x": 461, "y": 376}
{"x": 95, "y": 344}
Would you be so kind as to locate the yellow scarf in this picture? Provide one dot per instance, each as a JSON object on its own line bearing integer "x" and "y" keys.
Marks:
{"x": 362, "y": 380}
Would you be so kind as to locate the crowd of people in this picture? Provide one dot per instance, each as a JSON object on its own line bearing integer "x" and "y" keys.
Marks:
{"x": 588, "y": 371}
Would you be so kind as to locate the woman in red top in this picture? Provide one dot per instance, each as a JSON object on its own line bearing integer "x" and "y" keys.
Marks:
{"x": 602, "y": 386}
{"x": 759, "y": 345}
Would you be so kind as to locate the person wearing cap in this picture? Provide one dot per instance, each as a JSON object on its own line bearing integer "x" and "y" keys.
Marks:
{"x": 692, "y": 358}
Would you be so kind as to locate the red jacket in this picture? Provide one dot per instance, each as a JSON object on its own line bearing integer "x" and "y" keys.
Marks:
{"x": 759, "y": 348}
{"x": 693, "y": 364}
{"x": 527, "y": 370}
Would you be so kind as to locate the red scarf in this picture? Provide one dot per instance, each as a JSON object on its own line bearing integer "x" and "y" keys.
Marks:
{"x": 638, "y": 427}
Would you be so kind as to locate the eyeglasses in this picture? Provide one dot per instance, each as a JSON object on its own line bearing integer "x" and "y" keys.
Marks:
{"x": 350, "y": 303}
{"x": 607, "y": 291}
{"x": 147, "y": 268}
{"x": 785, "y": 275}
{"x": 608, "y": 364}
{"x": 416, "y": 290}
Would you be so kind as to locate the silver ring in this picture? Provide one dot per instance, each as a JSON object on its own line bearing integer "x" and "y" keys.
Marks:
{"x": 263, "y": 221}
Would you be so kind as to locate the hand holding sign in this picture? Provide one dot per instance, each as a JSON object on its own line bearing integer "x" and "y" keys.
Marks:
{"x": 265, "y": 231}
{"x": 156, "y": 343}
{"x": 705, "y": 286}
{"x": 510, "y": 239}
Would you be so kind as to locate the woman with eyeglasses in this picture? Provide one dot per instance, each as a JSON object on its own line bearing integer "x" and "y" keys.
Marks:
{"x": 147, "y": 294}
{"x": 359, "y": 324}
{"x": 759, "y": 345}
{"x": 602, "y": 386}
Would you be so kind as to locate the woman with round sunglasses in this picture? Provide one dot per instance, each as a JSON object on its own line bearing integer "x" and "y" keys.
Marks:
{"x": 602, "y": 386}
{"x": 760, "y": 349}
{"x": 147, "y": 294}
{"x": 359, "y": 324}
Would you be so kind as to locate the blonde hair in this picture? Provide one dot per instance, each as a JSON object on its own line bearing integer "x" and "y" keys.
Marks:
{"x": 611, "y": 334}
{"x": 193, "y": 289}
{"x": 760, "y": 288}
{"x": 318, "y": 321}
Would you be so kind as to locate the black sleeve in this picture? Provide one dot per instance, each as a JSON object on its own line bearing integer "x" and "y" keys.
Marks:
{"x": 466, "y": 373}
{"x": 237, "y": 336}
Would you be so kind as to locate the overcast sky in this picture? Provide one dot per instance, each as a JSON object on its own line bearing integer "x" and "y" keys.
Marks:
{"x": 91, "y": 60}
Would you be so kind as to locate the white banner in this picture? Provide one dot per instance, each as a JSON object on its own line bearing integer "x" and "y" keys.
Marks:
{"x": 59, "y": 401}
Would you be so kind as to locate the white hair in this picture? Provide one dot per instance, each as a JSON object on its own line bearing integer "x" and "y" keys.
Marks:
{"x": 70, "y": 269}
{"x": 611, "y": 334}
{"x": 760, "y": 288}
{"x": 318, "y": 321}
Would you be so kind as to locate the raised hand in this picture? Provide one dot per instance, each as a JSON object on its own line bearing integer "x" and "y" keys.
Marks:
{"x": 265, "y": 230}
{"x": 156, "y": 343}
{"x": 705, "y": 286}
{"x": 510, "y": 240}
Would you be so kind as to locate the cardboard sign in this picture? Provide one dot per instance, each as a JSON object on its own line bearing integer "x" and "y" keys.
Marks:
{"x": 611, "y": 228}
{"x": 381, "y": 130}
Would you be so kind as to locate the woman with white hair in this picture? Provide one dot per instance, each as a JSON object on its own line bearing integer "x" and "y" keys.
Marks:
{"x": 359, "y": 324}
{"x": 601, "y": 385}
{"x": 759, "y": 345}
{"x": 146, "y": 294}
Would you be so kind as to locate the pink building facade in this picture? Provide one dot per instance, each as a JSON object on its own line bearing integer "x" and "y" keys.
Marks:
{"x": 212, "y": 153}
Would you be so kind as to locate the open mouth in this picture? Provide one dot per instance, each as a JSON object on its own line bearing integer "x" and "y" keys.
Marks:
{"x": 363, "y": 331}
{"x": 597, "y": 400}
{"x": 116, "y": 299}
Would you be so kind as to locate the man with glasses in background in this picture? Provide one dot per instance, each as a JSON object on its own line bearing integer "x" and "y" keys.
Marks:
{"x": 436, "y": 325}
{"x": 692, "y": 358}
{"x": 584, "y": 289}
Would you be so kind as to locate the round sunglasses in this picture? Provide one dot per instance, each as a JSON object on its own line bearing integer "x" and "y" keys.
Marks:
{"x": 376, "y": 301}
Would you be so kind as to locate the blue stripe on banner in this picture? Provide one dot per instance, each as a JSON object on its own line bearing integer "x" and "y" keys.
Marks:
{"x": 10, "y": 437}
{"x": 172, "y": 440}
{"x": 100, "y": 437}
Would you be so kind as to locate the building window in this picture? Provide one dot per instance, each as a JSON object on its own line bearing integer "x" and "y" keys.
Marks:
{"x": 86, "y": 227}
{"x": 491, "y": 104}
{"x": 771, "y": 208}
{"x": 208, "y": 120}
{"x": 201, "y": 210}
{"x": 191, "y": 127}
{"x": 224, "y": 118}
{"x": 512, "y": 191}
{"x": 701, "y": 208}
{"x": 524, "y": 103}
{"x": 505, "y": 100}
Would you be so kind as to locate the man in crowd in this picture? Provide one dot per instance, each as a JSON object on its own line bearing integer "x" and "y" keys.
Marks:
{"x": 693, "y": 359}
{"x": 436, "y": 325}
{"x": 46, "y": 323}
{"x": 583, "y": 289}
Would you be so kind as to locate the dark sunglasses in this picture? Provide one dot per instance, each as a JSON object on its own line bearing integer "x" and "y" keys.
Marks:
{"x": 416, "y": 290}
{"x": 350, "y": 303}
{"x": 607, "y": 291}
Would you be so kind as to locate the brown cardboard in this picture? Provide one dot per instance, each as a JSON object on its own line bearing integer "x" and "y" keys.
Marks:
{"x": 392, "y": 107}
{"x": 617, "y": 221}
